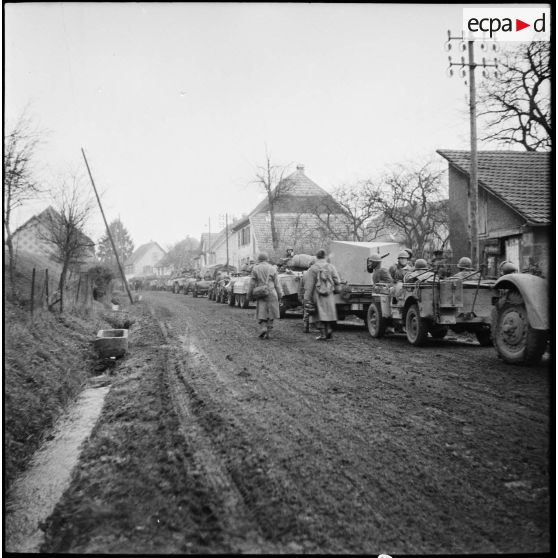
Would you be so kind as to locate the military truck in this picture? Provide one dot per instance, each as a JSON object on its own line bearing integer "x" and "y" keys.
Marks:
{"x": 349, "y": 258}
{"x": 520, "y": 318}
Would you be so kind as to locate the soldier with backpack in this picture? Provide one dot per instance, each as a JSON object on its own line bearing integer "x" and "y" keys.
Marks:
{"x": 319, "y": 288}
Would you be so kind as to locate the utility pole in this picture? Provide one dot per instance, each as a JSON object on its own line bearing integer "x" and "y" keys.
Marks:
{"x": 473, "y": 193}
{"x": 227, "y": 236}
{"x": 209, "y": 241}
{"x": 108, "y": 230}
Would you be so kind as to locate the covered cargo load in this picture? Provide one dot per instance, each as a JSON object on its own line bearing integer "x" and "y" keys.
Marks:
{"x": 349, "y": 258}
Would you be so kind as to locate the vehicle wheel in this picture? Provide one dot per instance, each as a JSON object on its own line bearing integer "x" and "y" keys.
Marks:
{"x": 438, "y": 331}
{"x": 244, "y": 302}
{"x": 175, "y": 288}
{"x": 231, "y": 299}
{"x": 515, "y": 340}
{"x": 375, "y": 322}
{"x": 415, "y": 326}
{"x": 195, "y": 293}
{"x": 484, "y": 337}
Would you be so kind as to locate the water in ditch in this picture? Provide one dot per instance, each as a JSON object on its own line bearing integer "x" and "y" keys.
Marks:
{"x": 36, "y": 492}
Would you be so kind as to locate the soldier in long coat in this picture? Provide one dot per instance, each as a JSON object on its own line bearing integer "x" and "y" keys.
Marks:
{"x": 326, "y": 313}
{"x": 267, "y": 309}
{"x": 305, "y": 314}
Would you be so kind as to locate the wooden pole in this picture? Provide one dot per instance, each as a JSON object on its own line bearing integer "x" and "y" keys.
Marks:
{"x": 32, "y": 291}
{"x": 108, "y": 230}
{"x": 77, "y": 291}
{"x": 227, "y": 237}
{"x": 473, "y": 168}
{"x": 46, "y": 285}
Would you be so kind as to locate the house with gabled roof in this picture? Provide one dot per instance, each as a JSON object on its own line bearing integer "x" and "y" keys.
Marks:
{"x": 32, "y": 237}
{"x": 144, "y": 260}
{"x": 207, "y": 255}
{"x": 514, "y": 209}
{"x": 296, "y": 222}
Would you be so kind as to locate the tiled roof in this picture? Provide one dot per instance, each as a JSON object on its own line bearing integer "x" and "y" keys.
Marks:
{"x": 299, "y": 194}
{"x": 140, "y": 252}
{"x": 521, "y": 179}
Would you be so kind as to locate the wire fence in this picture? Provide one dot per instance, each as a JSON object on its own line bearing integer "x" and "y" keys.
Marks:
{"x": 38, "y": 290}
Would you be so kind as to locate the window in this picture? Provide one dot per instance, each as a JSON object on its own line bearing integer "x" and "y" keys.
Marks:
{"x": 244, "y": 237}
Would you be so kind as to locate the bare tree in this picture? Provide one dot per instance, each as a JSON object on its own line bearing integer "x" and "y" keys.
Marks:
{"x": 272, "y": 178}
{"x": 413, "y": 202}
{"x": 351, "y": 213}
{"x": 181, "y": 255}
{"x": 64, "y": 229}
{"x": 517, "y": 102}
{"x": 20, "y": 184}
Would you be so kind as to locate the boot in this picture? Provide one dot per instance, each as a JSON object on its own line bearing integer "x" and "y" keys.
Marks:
{"x": 322, "y": 336}
{"x": 263, "y": 331}
{"x": 329, "y": 331}
{"x": 306, "y": 327}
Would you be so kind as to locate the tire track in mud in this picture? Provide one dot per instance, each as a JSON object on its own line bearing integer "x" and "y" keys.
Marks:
{"x": 285, "y": 399}
{"x": 308, "y": 435}
{"x": 238, "y": 518}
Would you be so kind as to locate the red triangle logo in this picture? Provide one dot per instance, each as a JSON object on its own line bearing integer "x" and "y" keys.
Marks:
{"x": 519, "y": 25}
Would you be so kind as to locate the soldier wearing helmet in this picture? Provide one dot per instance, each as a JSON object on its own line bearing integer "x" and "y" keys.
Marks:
{"x": 420, "y": 273}
{"x": 398, "y": 270}
{"x": 507, "y": 267}
{"x": 466, "y": 271}
{"x": 379, "y": 274}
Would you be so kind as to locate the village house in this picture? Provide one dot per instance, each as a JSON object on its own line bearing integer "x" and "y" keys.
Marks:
{"x": 144, "y": 261}
{"x": 514, "y": 209}
{"x": 32, "y": 237}
{"x": 296, "y": 223}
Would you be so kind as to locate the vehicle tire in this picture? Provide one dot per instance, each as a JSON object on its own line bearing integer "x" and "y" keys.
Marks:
{"x": 231, "y": 299}
{"x": 282, "y": 310}
{"x": 244, "y": 302}
{"x": 195, "y": 293}
{"x": 515, "y": 340}
{"x": 484, "y": 337}
{"x": 375, "y": 322}
{"x": 438, "y": 331}
{"x": 415, "y": 326}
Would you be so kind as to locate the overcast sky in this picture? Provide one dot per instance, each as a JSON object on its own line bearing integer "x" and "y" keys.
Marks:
{"x": 175, "y": 103}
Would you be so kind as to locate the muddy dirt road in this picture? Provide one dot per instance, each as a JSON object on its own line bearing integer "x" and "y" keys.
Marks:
{"x": 212, "y": 440}
{"x": 358, "y": 444}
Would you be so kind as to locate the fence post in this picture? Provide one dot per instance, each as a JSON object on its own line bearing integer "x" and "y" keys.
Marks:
{"x": 46, "y": 284}
{"x": 77, "y": 292}
{"x": 32, "y": 291}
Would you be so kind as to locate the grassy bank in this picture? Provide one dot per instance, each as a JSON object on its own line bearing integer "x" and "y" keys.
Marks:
{"x": 46, "y": 363}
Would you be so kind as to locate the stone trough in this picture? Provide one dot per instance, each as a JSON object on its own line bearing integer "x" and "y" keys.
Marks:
{"x": 111, "y": 342}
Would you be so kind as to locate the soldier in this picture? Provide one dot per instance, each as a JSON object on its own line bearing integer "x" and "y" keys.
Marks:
{"x": 439, "y": 264}
{"x": 267, "y": 309}
{"x": 305, "y": 314}
{"x": 507, "y": 267}
{"x": 379, "y": 274}
{"x": 320, "y": 282}
{"x": 420, "y": 273}
{"x": 398, "y": 270}
{"x": 466, "y": 271}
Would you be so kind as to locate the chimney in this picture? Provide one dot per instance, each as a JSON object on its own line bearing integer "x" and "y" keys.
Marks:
{"x": 300, "y": 168}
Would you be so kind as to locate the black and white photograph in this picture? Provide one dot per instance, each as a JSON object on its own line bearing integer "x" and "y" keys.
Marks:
{"x": 276, "y": 278}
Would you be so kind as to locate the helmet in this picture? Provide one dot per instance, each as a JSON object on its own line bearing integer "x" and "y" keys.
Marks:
{"x": 465, "y": 263}
{"x": 421, "y": 264}
{"x": 375, "y": 258}
{"x": 507, "y": 267}
{"x": 403, "y": 254}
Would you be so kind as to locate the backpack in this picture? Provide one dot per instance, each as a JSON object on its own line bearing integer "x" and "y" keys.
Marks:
{"x": 324, "y": 282}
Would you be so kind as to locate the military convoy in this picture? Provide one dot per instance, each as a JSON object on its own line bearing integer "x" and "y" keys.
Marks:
{"x": 511, "y": 312}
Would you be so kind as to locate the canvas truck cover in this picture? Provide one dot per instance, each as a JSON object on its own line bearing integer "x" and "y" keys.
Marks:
{"x": 349, "y": 258}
